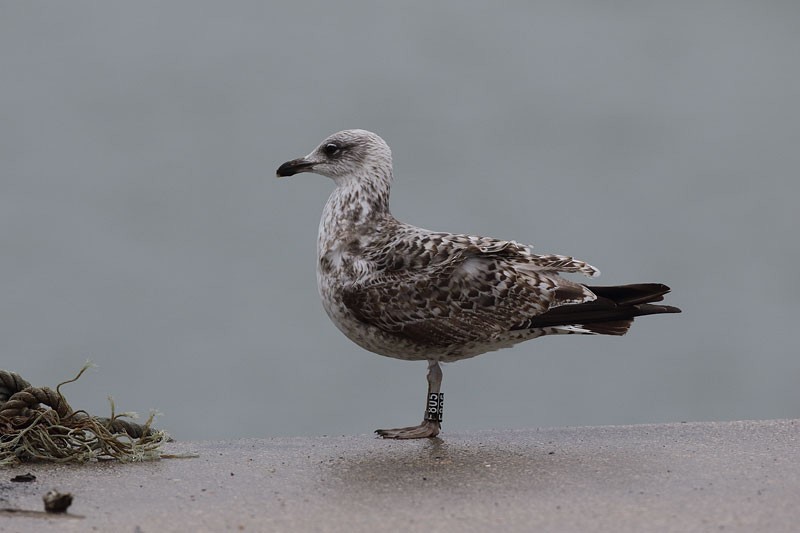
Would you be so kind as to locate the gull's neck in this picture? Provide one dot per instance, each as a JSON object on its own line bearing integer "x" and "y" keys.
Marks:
{"x": 359, "y": 199}
{"x": 358, "y": 207}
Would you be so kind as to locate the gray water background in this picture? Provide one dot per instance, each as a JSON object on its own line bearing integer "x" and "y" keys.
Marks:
{"x": 141, "y": 225}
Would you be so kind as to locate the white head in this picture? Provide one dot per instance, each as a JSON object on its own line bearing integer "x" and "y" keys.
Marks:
{"x": 344, "y": 156}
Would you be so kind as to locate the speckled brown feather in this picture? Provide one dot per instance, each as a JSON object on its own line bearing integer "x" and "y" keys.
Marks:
{"x": 456, "y": 289}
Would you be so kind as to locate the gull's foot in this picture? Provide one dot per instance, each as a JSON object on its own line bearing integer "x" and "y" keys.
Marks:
{"x": 425, "y": 430}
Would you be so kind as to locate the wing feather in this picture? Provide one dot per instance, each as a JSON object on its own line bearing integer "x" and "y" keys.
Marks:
{"x": 470, "y": 293}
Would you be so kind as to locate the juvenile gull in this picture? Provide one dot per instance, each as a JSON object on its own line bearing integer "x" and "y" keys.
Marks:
{"x": 406, "y": 292}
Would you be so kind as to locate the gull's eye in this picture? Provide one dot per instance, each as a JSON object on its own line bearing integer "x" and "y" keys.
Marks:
{"x": 331, "y": 149}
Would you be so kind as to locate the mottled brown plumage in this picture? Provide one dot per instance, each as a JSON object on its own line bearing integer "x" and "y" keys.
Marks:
{"x": 409, "y": 293}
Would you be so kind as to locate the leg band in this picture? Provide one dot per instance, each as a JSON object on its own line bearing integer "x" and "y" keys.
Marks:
{"x": 433, "y": 412}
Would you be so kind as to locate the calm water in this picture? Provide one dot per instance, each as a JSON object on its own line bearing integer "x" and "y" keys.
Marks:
{"x": 141, "y": 226}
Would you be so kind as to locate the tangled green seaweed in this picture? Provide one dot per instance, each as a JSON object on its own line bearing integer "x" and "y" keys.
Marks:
{"x": 37, "y": 424}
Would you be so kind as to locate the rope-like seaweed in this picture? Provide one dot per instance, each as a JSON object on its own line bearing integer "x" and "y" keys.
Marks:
{"x": 37, "y": 424}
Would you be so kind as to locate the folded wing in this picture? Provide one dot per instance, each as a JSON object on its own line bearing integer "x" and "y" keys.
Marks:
{"x": 475, "y": 294}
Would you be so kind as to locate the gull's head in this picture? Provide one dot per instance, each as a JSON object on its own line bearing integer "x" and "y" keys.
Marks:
{"x": 348, "y": 154}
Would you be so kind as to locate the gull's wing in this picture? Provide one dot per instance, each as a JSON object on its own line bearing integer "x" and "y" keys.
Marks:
{"x": 469, "y": 292}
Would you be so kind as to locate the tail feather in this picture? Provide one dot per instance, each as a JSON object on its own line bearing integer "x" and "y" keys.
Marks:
{"x": 613, "y": 311}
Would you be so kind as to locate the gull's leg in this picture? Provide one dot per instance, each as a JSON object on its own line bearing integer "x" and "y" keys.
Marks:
{"x": 432, "y": 422}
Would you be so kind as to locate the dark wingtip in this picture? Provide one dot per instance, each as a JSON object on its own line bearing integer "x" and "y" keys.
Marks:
{"x": 650, "y": 309}
{"x": 611, "y": 312}
{"x": 636, "y": 293}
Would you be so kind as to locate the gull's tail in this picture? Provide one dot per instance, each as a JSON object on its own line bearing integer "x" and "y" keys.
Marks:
{"x": 612, "y": 313}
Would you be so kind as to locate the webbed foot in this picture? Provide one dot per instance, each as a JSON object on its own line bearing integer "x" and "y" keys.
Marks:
{"x": 425, "y": 430}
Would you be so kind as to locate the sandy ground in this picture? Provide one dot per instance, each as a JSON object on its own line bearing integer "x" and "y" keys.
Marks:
{"x": 726, "y": 476}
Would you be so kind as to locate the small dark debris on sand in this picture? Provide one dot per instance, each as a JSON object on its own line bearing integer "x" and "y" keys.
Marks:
{"x": 57, "y": 502}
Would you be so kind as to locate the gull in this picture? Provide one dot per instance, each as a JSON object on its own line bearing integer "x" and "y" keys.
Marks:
{"x": 409, "y": 293}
